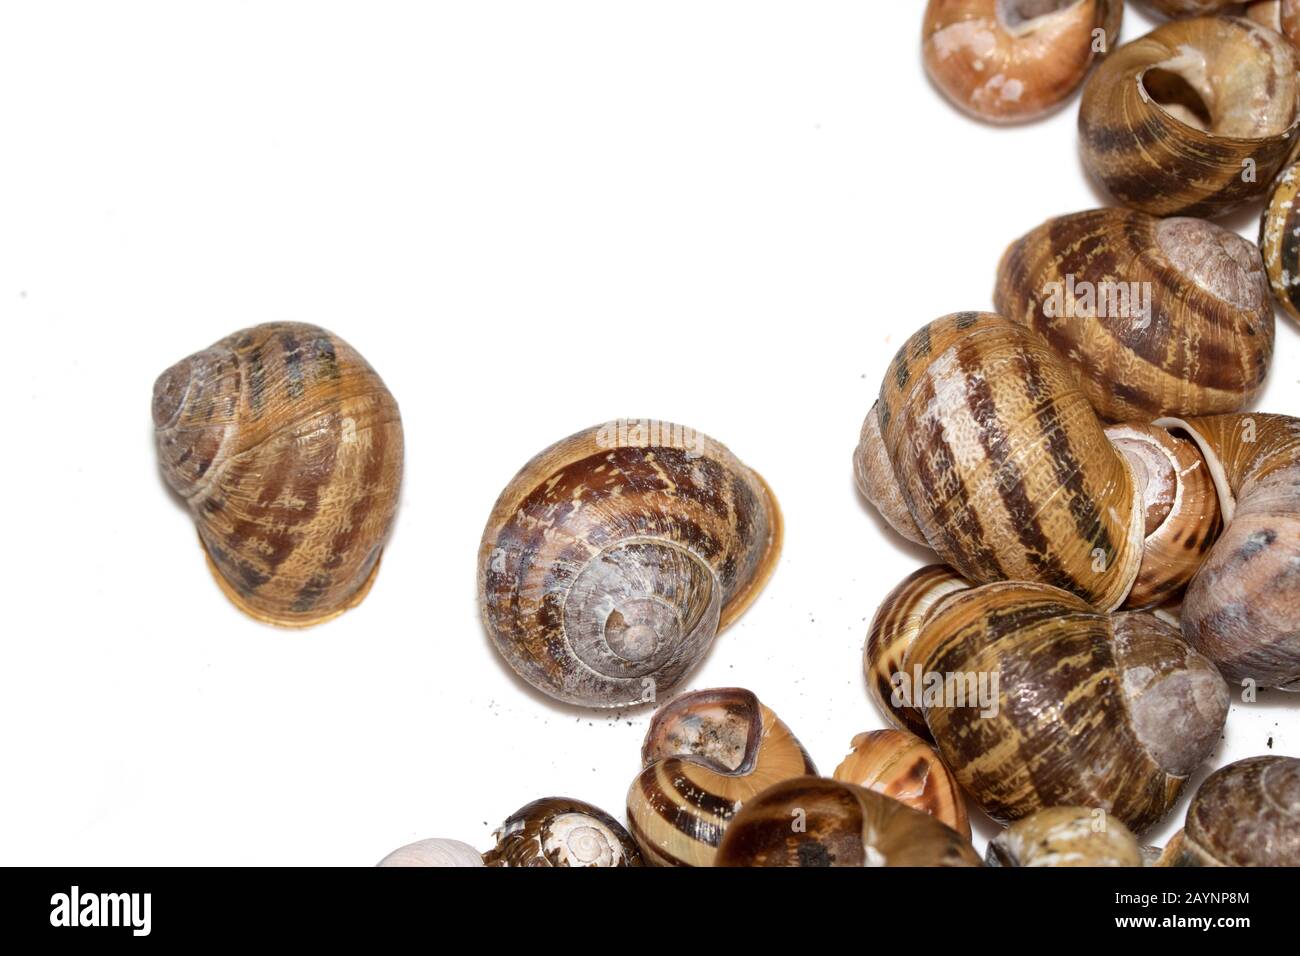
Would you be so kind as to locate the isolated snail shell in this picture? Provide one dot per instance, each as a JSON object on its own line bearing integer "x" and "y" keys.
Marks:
{"x": 1091, "y": 709}
{"x": 903, "y": 766}
{"x": 559, "y": 832}
{"x": 1279, "y": 240}
{"x": 1244, "y": 814}
{"x": 1242, "y": 609}
{"x": 287, "y": 448}
{"x": 1280, "y": 15}
{"x": 1153, "y": 317}
{"x": 1193, "y": 119}
{"x": 434, "y": 853}
{"x": 1011, "y": 60}
{"x": 812, "y": 821}
{"x": 1065, "y": 836}
{"x": 705, "y": 754}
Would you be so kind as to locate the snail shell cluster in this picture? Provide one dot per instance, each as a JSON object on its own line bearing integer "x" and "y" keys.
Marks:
{"x": 614, "y": 557}
{"x": 1279, "y": 240}
{"x": 287, "y": 448}
{"x": 705, "y": 754}
{"x": 1244, "y": 814}
{"x": 1011, "y": 60}
{"x": 903, "y": 766}
{"x": 559, "y": 832}
{"x": 1174, "y": 123}
{"x": 1065, "y": 836}
{"x": 1154, "y": 317}
{"x": 815, "y": 822}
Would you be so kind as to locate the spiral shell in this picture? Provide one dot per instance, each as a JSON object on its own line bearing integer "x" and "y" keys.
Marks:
{"x": 1279, "y": 240}
{"x": 903, "y": 766}
{"x": 287, "y": 448}
{"x": 1035, "y": 699}
{"x": 1193, "y": 119}
{"x": 1153, "y": 317}
{"x": 812, "y": 822}
{"x": 1012, "y": 60}
{"x": 1066, "y": 836}
{"x": 433, "y": 853}
{"x": 559, "y": 832}
{"x": 705, "y": 754}
{"x": 1242, "y": 609}
{"x": 1244, "y": 814}
{"x": 613, "y": 558}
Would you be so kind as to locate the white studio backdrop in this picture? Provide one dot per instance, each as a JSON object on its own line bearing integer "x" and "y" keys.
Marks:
{"x": 530, "y": 218}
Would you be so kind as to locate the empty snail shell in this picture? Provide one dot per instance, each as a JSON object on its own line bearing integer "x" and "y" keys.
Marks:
{"x": 1035, "y": 699}
{"x": 613, "y": 558}
{"x": 1244, "y": 814}
{"x": 559, "y": 832}
{"x": 1065, "y": 836}
{"x": 1280, "y": 15}
{"x": 434, "y": 853}
{"x": 1012, "y": 60}
{"x": 1194, "y": 118}
{"x": 705, "y": 754}
{"x": 903, "y": 766}
{"x": 1191, "y": 8}
{"x": 1242, "y": 609}
{"x": 287, "y": 447}
{"x": 1279, "y": 240}
{"x": 812, "y": 821}
{"x": 1153, "y": 317}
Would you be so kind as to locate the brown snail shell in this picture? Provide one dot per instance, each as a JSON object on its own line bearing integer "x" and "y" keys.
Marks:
{"x": 614, "y": 557}
{"x": 1280, "y": 15}
{"x": 1175, "y": 122}
{"x": 433, "y": 853}
{"x": 1244, "y": 814}
{"x": 559, "y": 832}
{"x": 812, "y": 821}
{"x": 1077, "y": 707}
{"x": 1279, "y": 240}
{"x": 1153, "y": 317}
{"x": 1242, "y": 609}
{"x": 893, "y": 629}
{"x": 1012, "y": 60}
{"x": 705, "y": 754}
{"x": 1191, "y": 8}
{"x": 903, "y": 766}
{"x": 287, "y": 448}
{"x": 1065, "y": 836}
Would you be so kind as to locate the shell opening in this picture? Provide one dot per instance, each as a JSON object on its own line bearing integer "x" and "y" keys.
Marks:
{"x": 1016, "y": 15}
{"x": 719, "y": 729}
{"x": 1174, "y": 93}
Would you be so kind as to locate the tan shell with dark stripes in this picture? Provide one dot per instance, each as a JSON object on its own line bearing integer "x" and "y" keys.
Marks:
{"x": 1193, "y": 119}
{"x": 614, "y": 557}
{"x": 287, "y": 448}
{"x": 1153, "y": 317}
{"x": 901, "y": 765}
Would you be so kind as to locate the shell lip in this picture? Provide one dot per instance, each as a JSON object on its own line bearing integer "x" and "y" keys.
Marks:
{"x": 742, "y": 600}
{"x": 1227, "y": 500}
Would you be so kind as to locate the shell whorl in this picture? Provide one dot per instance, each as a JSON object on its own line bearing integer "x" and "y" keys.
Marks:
{"x": 1244, "y": 814}
{"x": 287, "y": 448}
{"x": 560, "y": 832}
{"x": 705, "y": 754}
{"x": 610, "y": 562}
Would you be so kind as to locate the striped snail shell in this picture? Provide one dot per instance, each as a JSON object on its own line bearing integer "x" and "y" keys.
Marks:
{"x": 1193, "y": 119}
{"x": 1244, "y": 814}
{"x": 1153, "y": 317}
{"x": 903, "y": 766}
{"x": 559, "y": 832}
{"x": 1279, "y": 239}
{"x": 813, "y": 822}
{"x": 1280, "y": 15}
{"x": 1035, "y": 699}
{"x": 614, "y": 557}
{"x": 1006, "y": 61}
{"x": 287, "y": 448}
{"x": 1242, "y": 609}
{"x": 705, "y": 754}
{"x": 1065, "y": 836}
{"x": 1191, "y": 8}
{"x": 434, "y": 853}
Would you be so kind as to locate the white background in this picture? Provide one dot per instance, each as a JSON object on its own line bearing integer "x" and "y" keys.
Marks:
{"x": 530, "y": 217}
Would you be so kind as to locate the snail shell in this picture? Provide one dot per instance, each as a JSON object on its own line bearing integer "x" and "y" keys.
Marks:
{"x": 812, "y": 821}
{"x": 1174, "y": 123}
{"x": 287, "y": 447}
{"x": 1076, "y": 707}
{"x": 1191, "y": 8}
{"x": 1011, "y": 60}
{"x": 1280, "y": 15}
{"x": 705, "y": 754}
{"x": 1244, "y": 814}
{"x": 434, "y": 853}
{"x": 1065, "y": 836}
{"x": 1242, "y": 609}
{"x": 559, "y": 832}
{"x": 614, "y": 557}
{"x": 1279, "y": 240}
{"x": 903, "y": 766}
{"x": 1153, "y": 317}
